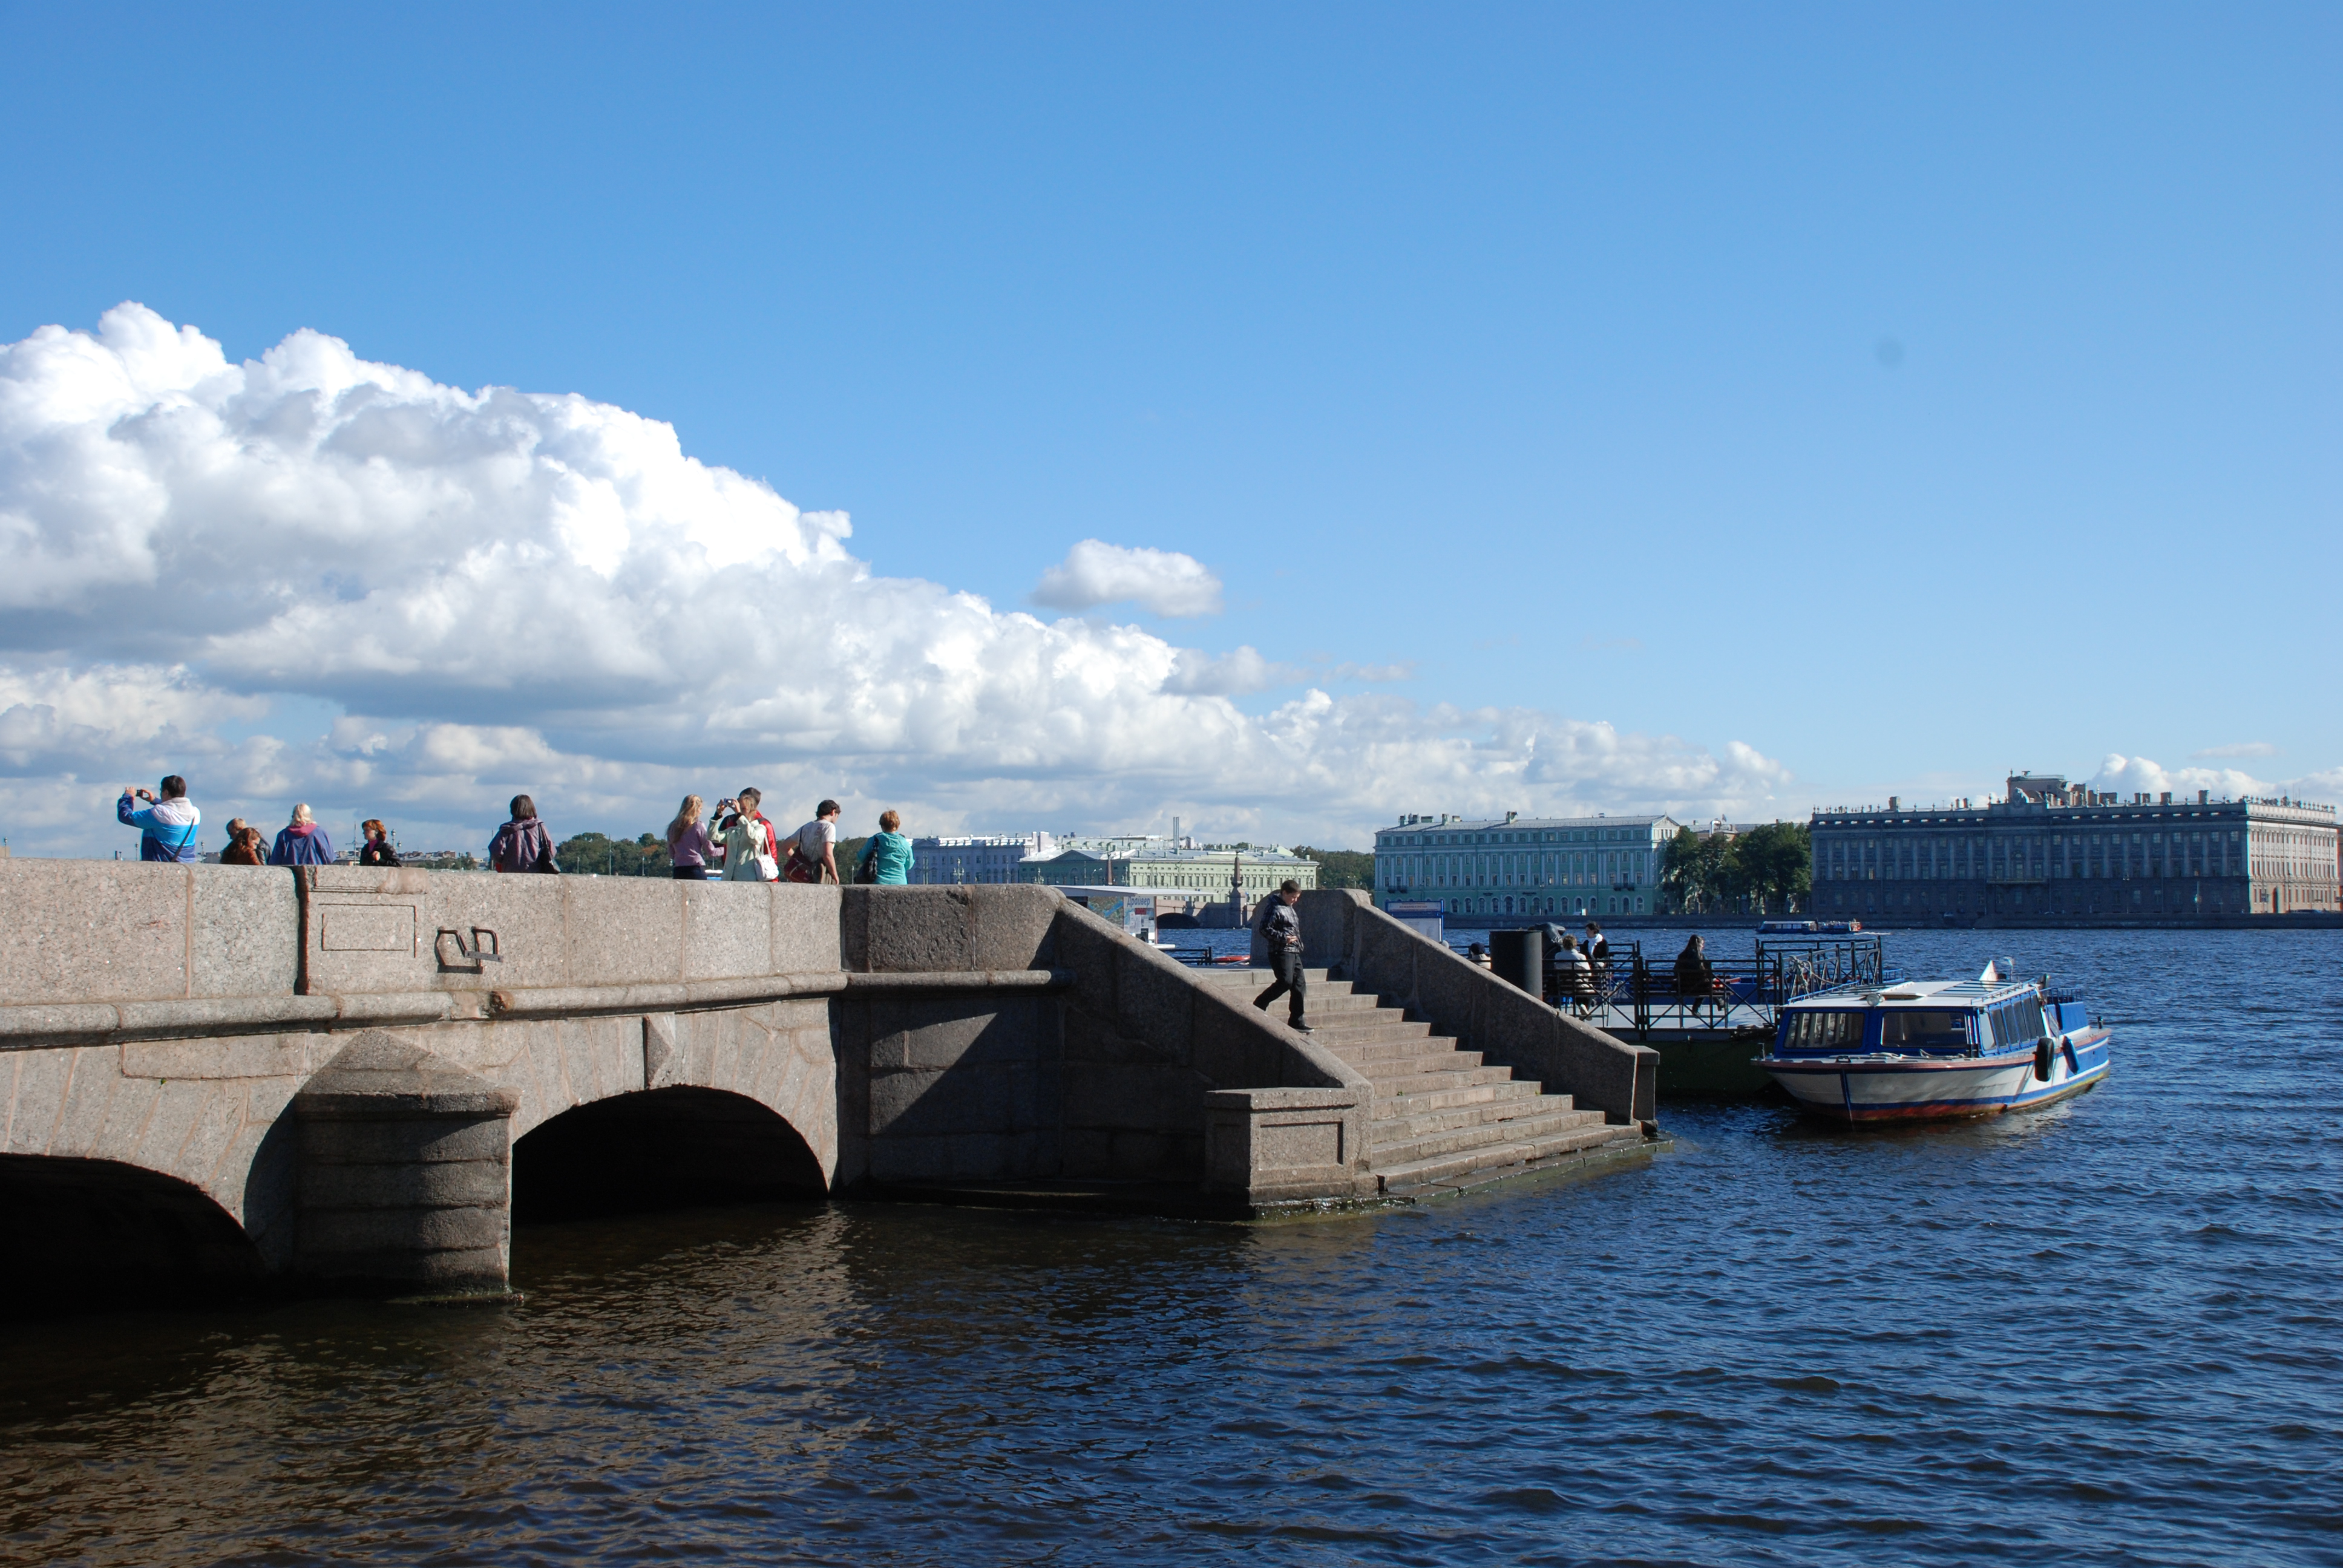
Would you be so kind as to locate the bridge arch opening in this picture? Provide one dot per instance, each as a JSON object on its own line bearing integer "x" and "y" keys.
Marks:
{"x": 673, "y": 1148}
{"x": 88, "y": 1233}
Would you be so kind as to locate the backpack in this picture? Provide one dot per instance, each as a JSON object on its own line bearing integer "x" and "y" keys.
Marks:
{"x": 523, "y": 845}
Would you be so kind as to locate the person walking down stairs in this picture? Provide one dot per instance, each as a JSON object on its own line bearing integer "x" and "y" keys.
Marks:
{"x": 1283, "y": 931}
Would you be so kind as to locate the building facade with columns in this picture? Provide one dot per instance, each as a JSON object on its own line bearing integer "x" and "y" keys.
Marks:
{"x": 2050, "y": 849}
{"x": 1516, "y": 865}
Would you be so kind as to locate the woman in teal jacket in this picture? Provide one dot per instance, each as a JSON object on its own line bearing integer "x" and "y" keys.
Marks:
{"x": 888, "y": 856}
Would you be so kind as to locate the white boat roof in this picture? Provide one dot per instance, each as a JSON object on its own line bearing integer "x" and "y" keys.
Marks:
{"x": 1935, "y": 994}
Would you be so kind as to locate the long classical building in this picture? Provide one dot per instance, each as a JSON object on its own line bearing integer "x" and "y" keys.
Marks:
{"x": 1200, "y": 872}
{"x": 1525, "y": 866}
{"x": 2052, "y": 849}
{"x": 963, "y": 859}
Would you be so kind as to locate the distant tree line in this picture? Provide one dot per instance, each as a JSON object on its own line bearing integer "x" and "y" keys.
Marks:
{"x": 1341, "y": 868}
{"x": 1767, "y": 870}
{"x": 645, "y": 855}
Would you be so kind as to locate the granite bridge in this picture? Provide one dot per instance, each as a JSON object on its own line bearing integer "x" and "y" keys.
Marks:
{"x": 351, "y": 1078}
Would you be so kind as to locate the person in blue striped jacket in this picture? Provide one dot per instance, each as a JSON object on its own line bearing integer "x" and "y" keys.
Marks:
{"x": 167, "y": 827}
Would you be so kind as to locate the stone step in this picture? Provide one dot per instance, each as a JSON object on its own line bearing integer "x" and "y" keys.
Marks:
{"x": 1407, "y": 1124}
{"x": 1234, "y": 976}
{"x": 1462, "y": 1164}
{"x": 1430, "y": 1049}
{"x": 1340, "y": 1030}
{"x": 1318, "y": 1002}
{"x": 1432, "y": 1081}
{"x": 1506, "y": 1092}
{"x": 1476, "y": 1135}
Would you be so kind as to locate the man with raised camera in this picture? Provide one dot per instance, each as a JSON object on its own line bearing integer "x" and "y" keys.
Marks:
{"x": 166, "y": 825}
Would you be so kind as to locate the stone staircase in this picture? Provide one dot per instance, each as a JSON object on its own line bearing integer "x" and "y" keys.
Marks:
{"x": 1440, "y": 1117}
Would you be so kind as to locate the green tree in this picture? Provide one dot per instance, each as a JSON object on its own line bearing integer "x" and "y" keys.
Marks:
{"x": 599, "y": 855}
{"x": 1341, "y": 868}
{"x": 1775, "y": 866}
{"x": 1696, "y": 872}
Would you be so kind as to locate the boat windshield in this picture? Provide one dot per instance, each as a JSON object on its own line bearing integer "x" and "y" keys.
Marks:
{"x": 1914, "y": 1026}
{"x": 1814, "y": 1029}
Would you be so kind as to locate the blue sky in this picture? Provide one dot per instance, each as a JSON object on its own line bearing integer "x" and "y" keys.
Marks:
{"x": 1906, "y": 394}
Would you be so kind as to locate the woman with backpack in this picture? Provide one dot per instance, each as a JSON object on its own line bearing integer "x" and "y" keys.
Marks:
{"x": 887, "y": 858}
{"x": 523, "y": 844}
{"x": 747, "y": 839}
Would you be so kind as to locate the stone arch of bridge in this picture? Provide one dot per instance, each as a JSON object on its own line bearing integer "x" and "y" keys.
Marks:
{"x": 80, "y": 1232}
{"x": 670, "y": 1147}
{"x": 778, "y": 1057}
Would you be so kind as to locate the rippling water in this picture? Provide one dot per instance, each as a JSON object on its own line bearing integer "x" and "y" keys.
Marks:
{"x": 2107, "y": 1333}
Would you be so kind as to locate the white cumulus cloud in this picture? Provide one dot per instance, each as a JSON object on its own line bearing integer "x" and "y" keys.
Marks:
{"x": 490, "y": 591}
{"x": 1162, "y": 581}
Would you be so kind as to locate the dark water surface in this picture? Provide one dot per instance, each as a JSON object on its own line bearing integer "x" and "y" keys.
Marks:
{"x": 2107, "y": 1333}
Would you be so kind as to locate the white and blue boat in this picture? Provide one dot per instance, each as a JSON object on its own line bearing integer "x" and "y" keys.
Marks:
{"x": 1915, "y": 1050}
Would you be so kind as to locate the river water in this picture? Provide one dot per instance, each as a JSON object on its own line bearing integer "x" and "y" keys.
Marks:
{"x": 2105, "y": 1333}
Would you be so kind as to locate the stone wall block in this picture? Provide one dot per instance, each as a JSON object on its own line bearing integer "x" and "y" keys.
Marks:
{"x": 1326, "y": 919}
{"x": 1118, "y": 1096}
{"x": 177, "y": 1108}
{"x": 727, "y": 930}
{"x": 624, "y": 930}
{"x": 363, "y": 1189}
{"x": 1086, "y": 948}
{"x": 248, "y": 930}
{"x": 928, "y": 1032}
{"x": 93, "y": 931}
{"x": 1237, "y": 1045}
{"x": 911, "y": 1104}
{"x": 663, "y": 1059}
{"x": 395, "y": 1217}
{"x": 431, "y": 1140}
{"x": 233, "y": 1056}
{"x": 96, "y": 1074}
{"x": 1148, "y": 1157}
{"x": 809, "y": 932}
{"x": 1014, "y": 922}
{"x": 909, "y": 1159}
{"x": 1155, "y": 998}
{"x": 525, "y": 913}
{"x": 42, "y": 1080}
{"x": 128, "y": 1109}
{"x": 213, "y": 1131}
{"x": 916, "y": 929}
{"x": 1285, "y": 1145}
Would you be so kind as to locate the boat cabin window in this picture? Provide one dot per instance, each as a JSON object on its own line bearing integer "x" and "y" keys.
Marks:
{"x": 1817, "y": 1030}
{"x": 2017, "y": 1023}
{"x": 1899, "y": 1027}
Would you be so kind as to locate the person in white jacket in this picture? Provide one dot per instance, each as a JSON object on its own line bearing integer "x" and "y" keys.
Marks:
{"x": 747, "y": 839}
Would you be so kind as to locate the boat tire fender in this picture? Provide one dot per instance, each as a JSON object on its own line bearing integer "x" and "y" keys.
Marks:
{"x": 2043, "y": 1055}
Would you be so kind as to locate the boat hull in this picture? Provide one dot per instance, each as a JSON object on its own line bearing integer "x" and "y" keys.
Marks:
{"x": 1879, "y": 1088}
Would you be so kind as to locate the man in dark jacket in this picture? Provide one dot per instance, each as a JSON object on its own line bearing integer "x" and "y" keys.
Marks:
{"x": 1283, "y": 933}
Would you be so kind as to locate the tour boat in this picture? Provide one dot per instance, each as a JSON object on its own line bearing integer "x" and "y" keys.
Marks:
{"x": 1914, "y": 1050}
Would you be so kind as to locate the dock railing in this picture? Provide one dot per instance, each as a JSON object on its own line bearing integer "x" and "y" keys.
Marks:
{"x": 1635, "y": 994}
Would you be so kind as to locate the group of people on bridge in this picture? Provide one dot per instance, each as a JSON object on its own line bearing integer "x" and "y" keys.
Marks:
{"x": 736, "y": 843}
